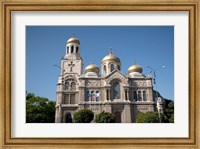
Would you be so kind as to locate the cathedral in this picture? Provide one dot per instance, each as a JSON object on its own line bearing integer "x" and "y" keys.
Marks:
{"x": 111, "y": 91}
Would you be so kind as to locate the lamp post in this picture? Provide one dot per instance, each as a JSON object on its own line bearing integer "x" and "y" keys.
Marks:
{"x": 154, "y": 82}
{"x": 59, "y": 67}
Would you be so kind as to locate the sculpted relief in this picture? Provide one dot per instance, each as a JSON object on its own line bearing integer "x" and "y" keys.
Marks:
{"x": 137, "y": 84}
{"x": 116, "y": 76}
{"x": 92, "y": 83}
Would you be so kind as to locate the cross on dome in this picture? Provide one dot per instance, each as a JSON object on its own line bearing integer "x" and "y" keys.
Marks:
{"x": 74, "y": 35}
{"x": 110, "y": 50}
{"x": 134, "y": 62}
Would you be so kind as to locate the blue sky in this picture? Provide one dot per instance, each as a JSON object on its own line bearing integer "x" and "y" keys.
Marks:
{"x": 147, "y": 45}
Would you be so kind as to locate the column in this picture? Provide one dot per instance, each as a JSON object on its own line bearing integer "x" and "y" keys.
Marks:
{"x": 90, "y": 97}
{"x": 82, "y": 94}
{"x": 58, "y": 114}
{"x": 125, "y": 95}
{"x": 128, "y": 95}
{"x": 127, "y": 114}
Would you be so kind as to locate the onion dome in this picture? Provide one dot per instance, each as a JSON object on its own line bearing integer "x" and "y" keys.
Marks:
{"x": 73, "y": 40}
{"x": 111, "y": 57}
{"x": 92, "y": 68}
{"x": 135, "y": 68}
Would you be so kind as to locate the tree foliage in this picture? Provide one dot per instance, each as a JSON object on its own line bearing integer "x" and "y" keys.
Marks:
{"x": 83, "y": 116}
{"x": 105, "y": 117}
{"x": 151, "y": 117}
{"x": 148, "y": 117}
{"x": 39, "y": 109}
{"x": 169, "y": 111}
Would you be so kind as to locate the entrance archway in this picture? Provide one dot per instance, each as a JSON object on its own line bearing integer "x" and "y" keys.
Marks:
{"x": 68, "y": 118}
{"x": 118, "y": 117}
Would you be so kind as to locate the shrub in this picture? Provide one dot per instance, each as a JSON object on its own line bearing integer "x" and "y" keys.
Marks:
{"x": 83, "y": 116}
{"x": 148, "y": 117}
{"x": 105, "y": 117}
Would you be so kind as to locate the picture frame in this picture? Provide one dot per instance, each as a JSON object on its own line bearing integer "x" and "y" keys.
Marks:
{"x": 7, "y": 7}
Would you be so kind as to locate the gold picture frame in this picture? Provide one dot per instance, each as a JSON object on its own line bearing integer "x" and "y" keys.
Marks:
{"x": 192, "y": 6}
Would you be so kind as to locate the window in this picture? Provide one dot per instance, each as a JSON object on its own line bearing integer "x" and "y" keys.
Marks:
{"x": 73, "y": 86}
{"x": 111, "y": 67}
{"x": 135, "y": 95}
{"x": 67, "y": 86}
{"x": 87, "y": 96}
{"x": 107, "y": 96}
{"x": 144, "y": 96}
{"x": 76, "y": 50}
{"x": 139, "y": 96}
{"x": 66, "y": 99}
{"x": 104, "y": 69}
{"x": 67, "y": 50}
{"x": 116, "y": 90}
{"x": 72, "y": 99}
{"x": 126, "y": 94}
{"x": 72, "y": 49}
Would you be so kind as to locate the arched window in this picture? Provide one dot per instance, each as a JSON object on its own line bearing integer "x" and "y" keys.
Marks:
{"x": 72, "y": 49}
{"x": 87, "y": 96}
{"x": 116, "y": 90}
{"x": 139, "y": 96}
{"x": 118, "y": 117}
{"x": 73, "y": 86}
{"x": 111, "y": 67}
{"x": 76, "y": 50}
{"x": 67, "y": 50}
{"x": 135, "y": 95}
{"x": 68, "y": 118}
{"x": 67, "y": 86}
{"x": 104, "y": 69}
{"x": 144, "y": 96}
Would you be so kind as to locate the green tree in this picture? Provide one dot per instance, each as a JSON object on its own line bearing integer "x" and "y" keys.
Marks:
{"x": 148, "y": 117}
{"x": 39, "y": 109}
{"x": 171, "y": 120}
{"x": 105, "y": 117}
{"x": 83, "y": 116}
{"x": 169, "y": 111}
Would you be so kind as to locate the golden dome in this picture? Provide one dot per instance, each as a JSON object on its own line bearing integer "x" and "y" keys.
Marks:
{"x": 110, "y": 57}
{"x": 135, "y": 68}
{"x": 73, "y": 40}
{"x": 92, "y": 68}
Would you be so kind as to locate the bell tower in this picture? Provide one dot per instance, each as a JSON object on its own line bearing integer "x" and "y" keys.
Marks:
{"x": 72, "y": 62}
{"x": 67, "y": 86}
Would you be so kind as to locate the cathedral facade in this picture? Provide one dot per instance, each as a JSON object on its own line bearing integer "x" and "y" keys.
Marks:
{"x": 125, "y": 96}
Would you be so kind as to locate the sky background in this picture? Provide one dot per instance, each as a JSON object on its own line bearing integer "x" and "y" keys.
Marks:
{"x": 146, "y": 45}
